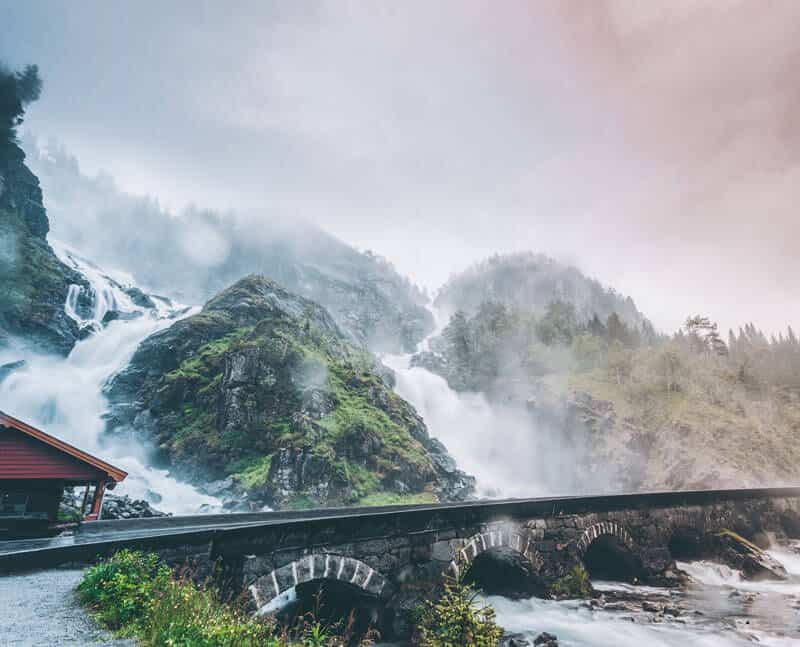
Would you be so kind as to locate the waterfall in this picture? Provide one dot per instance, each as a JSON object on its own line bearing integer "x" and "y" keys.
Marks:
{"x": 511, "y": 456}
{"x": 497, "y": 443}
{"x": 64, "y": 396}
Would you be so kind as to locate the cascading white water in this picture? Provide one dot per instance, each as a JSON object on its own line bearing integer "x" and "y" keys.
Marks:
{"x": 494, "y": 444}
{"x": 65, "y": 395}
{"x": 492, "y": 441}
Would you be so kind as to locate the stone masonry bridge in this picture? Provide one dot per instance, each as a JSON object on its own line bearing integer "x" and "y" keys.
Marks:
{"x": 395, "y": 555}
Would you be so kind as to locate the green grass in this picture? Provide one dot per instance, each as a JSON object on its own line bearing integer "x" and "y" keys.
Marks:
{"x": 294, "y": 357}
{"x": 299, "y": 502}
{"x": 392, "y": 498}
{"x": 255, "y": 475}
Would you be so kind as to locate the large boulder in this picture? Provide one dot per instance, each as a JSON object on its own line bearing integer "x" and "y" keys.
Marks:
{"x": 739, "y": 553}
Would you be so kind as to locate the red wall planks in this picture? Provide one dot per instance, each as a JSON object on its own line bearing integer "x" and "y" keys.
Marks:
{"x": 23, "y": 457}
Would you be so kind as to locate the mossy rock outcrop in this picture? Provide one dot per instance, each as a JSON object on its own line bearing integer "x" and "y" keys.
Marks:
{"x": 262, "y": 387}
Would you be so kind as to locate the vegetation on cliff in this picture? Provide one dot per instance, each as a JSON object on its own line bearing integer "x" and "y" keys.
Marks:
{"x": 261, "y": 386}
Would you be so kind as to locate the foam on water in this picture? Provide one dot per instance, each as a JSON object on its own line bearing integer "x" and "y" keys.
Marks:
{"x": 721, "y": 576}
{"x": 65, "y": 397}
{"x": 733, "y": 611}
{"x": 575, "y": 625}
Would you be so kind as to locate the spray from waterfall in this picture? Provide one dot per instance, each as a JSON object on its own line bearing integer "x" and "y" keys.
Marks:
{"x": 510, "y": 453}
{"x": 65, "y": 395}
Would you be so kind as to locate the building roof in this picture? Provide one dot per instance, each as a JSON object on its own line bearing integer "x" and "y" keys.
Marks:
{"x": 113, "y": 473}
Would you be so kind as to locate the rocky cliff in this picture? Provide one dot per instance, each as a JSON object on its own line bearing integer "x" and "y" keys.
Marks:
{"x": 263, "y": 391}
{"x": 33, "y": 281}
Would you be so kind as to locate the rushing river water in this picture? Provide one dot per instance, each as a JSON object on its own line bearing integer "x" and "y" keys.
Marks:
{"x": 718, "y": 608}
{"x": 65, "y": 396}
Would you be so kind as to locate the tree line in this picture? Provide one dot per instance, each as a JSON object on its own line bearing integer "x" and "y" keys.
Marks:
{"x": 501, "y": 342}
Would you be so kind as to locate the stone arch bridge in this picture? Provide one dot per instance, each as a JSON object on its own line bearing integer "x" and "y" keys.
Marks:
{"x": 391, "y": 554}
{"x": 396, "y": 554}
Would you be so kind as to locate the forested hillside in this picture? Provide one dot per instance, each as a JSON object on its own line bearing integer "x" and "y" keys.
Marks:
{"x": 531, "y": 282}
{"x": 649, "y": 410}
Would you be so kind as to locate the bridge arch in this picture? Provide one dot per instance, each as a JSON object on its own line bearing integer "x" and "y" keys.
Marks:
{"x": 607, "y": 552}
{"x": 514, "y": 538}
{"x": 600, "y": 529}
{"x": 316, "y": 567}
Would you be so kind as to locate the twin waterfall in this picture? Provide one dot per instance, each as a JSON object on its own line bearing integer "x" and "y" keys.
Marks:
{"x": 498, "y": 445}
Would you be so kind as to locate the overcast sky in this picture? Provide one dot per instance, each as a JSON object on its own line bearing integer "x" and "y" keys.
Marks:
{"x": 657, "y": 149}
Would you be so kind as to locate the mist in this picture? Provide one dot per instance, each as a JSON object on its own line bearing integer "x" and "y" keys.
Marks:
{"x": 651, "y": 147}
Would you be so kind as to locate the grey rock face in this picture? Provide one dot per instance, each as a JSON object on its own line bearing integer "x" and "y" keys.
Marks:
{"x": 33, "y": 282}
{"x": 123, "y": 507}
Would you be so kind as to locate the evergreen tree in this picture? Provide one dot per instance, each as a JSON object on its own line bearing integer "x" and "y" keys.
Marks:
{"x": 17, "y": 90}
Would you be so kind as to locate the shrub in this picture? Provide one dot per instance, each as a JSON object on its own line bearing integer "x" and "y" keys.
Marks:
{"x": 137, "y": 595}
{"x": 120, "y": 589}
{"x": 454, "y": 620}
{"x": 574, "y": 585}
{"x": 183, "y": 615}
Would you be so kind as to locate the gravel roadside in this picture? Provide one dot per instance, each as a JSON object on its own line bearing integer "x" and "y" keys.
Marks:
{"x": 40, "y": 609}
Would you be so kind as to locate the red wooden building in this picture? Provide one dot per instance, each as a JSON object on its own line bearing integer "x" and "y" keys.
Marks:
{"x": 34, "y": 470}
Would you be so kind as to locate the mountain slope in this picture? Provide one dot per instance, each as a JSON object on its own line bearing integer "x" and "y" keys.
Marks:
{"x": 631, "y": 409}
{"x": 33, "y": 282}
{"x": 263, "y": 387}
{"x": 196, "y": 253}
{"x": 531, "y": 282}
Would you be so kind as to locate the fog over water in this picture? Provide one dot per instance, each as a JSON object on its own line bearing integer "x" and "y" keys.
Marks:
{"x": 65, "y": 395}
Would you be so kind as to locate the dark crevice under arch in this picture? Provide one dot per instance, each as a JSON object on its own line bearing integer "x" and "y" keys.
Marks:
{"x": 608, "y": 558}
{"x": 332, "y": 601}
{"x": 504, "y": 571}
